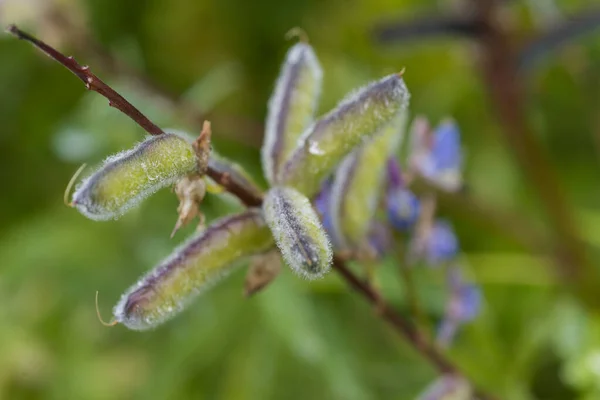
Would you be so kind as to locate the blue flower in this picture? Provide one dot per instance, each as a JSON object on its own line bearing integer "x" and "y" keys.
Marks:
{"x": 446, "y": 149}
{"x": 468, "y": 302}
{"x": 403, "y": 208}
{"x": 441, "y": 243}
{"x": 463, "y": 306}
{"x": 438, "y": 155}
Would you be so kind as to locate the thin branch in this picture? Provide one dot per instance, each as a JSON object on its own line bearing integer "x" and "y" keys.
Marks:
{"x": 92, "y": 82}
{"x": 400, "y": 324}
{"x": 412, "y": 294}
{"x": 397, "y": 321}
{"x": 244, "y": 130}
{"x": 583, "y": 23}
{"x": 426, "y": 27}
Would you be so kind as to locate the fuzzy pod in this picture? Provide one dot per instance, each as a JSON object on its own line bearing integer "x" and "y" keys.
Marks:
{"x": 127, "y": 178}
{"x": 298, "y": 232}
{"x": 291, "y": 107}
{"x": 234, "y": 172}
{"x": 191, "y": 269}
{"x": 358, "y": 184}
{"x": 358, "y": 117}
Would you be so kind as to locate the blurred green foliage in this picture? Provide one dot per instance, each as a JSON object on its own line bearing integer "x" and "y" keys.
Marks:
{"x": 297, "y": 339}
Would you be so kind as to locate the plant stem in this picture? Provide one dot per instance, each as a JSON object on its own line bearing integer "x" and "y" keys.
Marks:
{"x": 92, "y": 82}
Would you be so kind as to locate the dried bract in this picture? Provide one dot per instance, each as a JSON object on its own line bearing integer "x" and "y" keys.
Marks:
{"x": 262, "y": 271}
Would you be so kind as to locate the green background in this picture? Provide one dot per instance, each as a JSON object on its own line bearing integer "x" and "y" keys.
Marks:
{"x": 296, "y": 340}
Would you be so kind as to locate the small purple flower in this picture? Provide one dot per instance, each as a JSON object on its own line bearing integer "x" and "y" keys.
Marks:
{"x": 402, "y": 205}
{"x": 446, "y": 150}
{"x": 441, "y": 243}
{"x": 394, "y": 173}
{"x": 438, "y": 155}
{"x": 403, "y": 208}
{"x": 463, "y": 306}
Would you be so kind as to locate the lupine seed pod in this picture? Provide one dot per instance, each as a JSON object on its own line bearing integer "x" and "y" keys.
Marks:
{"x": 335, "y": 135}
{"x": 298, "y": 232}
{"x": 193, "y": 268}
{"x": 358, "y": 184}
{"x": 291, "y": 107}
{"x": 127, "y": 178}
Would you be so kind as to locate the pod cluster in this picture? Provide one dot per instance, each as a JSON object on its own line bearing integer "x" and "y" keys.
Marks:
{"x": 345, "y": 161}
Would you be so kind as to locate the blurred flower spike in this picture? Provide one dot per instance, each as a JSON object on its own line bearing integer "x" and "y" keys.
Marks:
{"x": 441, "y": 244}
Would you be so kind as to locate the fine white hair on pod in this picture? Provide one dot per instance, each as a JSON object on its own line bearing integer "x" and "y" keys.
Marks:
{"x": 298, "y": 232}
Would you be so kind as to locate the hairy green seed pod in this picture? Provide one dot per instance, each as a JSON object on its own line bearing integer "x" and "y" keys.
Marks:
{"x": 298, "y": 232}
{"x": 129, "y": 177}
{"x": 336, "y": 134}
{"x": 291, "y": 107}
{"x": 194, "y": 267}
{"x": 357, "y": 186}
